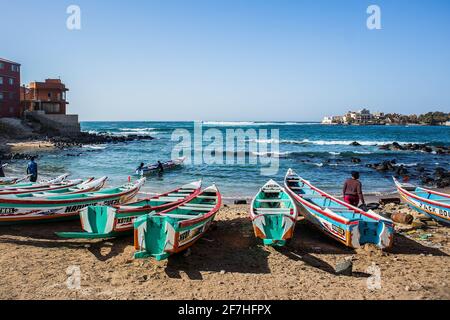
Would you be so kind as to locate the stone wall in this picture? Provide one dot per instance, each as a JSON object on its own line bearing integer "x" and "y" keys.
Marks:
{"x": 66, "y": 124}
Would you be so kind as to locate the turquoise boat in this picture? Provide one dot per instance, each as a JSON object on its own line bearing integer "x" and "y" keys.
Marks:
{"x": 109, "y": 222}
{"x": 159, "y": 235}
{"x": 30, "y": 208}
{"x": 274, "y": 215}
{"x": 339, "y": 220}
{"x": 434, "y": 204}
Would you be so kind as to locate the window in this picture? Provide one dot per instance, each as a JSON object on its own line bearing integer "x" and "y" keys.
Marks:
{"x": 14, "y": 68}
{"x": 11, "y": 81}
{"x": 2, "y": 65}
{"x": 11, "y": 95}
{"x": 1, "y": 80}
{"x": 1, "y": 95}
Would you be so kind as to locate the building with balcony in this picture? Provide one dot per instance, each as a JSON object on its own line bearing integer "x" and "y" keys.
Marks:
{"x": 48, "y": 96}
{"x": 9, "y": 89}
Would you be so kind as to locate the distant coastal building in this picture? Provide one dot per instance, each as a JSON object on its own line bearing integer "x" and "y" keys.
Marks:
{"x": 333, "y": 120}
{"x": 447, "y": 123}
{"x": 362, "y": 116}
{"x": 9, "y": 88}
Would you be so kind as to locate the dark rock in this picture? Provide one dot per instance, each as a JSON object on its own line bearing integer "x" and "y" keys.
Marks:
{"x": 355, "y": 144}
{"x": 344, "y": 268}
{"x": 384, "y": 201}
{"x": 240, "y": 201}
{"x": 356, "y": 160}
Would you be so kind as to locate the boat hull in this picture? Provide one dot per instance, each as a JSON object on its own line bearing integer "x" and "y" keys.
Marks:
{"x": 439, "y": 212}
{"x": 172, "y": 236}
{"x": 14, "y": 211}
{"x": 353, "y": 227}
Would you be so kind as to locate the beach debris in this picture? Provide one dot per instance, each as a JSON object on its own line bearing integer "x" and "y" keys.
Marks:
{"x": 344, "y": 267}
{"x": 222, "y": 272}
{"x": 425, "y": 236}
{"x": 401, "y": 217}
{"x": 384, "y": 201}
{"x": 417, "y": 224}
{"x": 240, "y": 201}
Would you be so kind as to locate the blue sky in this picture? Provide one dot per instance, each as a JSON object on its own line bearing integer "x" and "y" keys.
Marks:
{"x": 262, "y": 60}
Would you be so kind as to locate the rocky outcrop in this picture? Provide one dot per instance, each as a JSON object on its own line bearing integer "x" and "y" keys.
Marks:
{"x": 415, "y": 147}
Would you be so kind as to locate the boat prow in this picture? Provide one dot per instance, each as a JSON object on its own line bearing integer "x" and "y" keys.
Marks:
{"x": 273, "y": 214}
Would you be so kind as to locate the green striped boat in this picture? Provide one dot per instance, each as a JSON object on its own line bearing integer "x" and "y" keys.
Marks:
{"x": 274, "y": 215}
{"x": 109, "y": 222}
{"x": 159, "y": 235}
{"x": 18, "y": 209}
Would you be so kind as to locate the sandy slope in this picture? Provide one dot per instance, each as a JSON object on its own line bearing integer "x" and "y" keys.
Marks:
{"x": 228, "y": 263}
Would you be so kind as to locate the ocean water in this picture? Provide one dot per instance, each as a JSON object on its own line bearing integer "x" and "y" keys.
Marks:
{"x": 321, "y": 154}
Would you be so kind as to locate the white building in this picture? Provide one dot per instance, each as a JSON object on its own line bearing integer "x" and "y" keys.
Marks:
{"x": 332, "y": 120}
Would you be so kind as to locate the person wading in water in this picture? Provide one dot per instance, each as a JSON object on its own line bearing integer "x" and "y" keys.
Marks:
{"x": 353, "y": 190}
{"x": 32, "y": 170}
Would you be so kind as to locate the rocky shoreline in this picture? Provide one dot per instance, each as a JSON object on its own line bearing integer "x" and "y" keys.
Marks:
{"x": 61, "y": 142}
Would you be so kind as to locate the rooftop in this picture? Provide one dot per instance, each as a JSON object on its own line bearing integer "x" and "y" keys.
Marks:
{"x": 8, "y": 61}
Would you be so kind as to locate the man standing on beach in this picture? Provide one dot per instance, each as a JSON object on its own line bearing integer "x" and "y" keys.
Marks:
{"x": 353, "y": 190}
{"x": 32, "y": 169}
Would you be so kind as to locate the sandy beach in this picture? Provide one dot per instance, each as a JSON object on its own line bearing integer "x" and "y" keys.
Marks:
{"x": 227, "y": 263}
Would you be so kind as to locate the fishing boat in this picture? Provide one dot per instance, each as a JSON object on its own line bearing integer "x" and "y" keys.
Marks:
{"x": 159, "y": 235}
{"x": 274, "y": 214}
{"x": 434, "y": 204}
{"x": 35, "y": 185}
{"x": 75, "y": 186}
{"x": 108, "y": 222}
{"x": 6, "y": 181}
{"x": 339, "y": 220}
{"x": 153, "y": 168}
{"x": 17, "y": 209}
{"x": 67, "y": 186}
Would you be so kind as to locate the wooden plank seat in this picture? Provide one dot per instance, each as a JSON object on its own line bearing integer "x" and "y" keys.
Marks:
{"x": 181, "y": 216}
{"x": 178, "y": 195}
{"x": 262, "y": 210}
{"x": 274, "y": 200}
{"x": 194, "y": 209}
{"x": 200, "y": 205}
{"x": 207, "y": 197}
{"x": 168, "y": 199}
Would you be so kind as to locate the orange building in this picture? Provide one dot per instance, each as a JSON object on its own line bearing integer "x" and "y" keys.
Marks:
{"x": 48, "y": 96}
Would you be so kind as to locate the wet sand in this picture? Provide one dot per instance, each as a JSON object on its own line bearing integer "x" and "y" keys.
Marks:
{"x": 227, "y": 263}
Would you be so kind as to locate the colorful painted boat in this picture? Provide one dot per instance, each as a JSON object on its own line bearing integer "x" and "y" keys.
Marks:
{"x": 67, "y": 186}
{"x": 434, "y": 204}
{"x": 37, "y": 185}
{"x": 17, "y": 209}
{"x": 337, "y": 219}
{"x": 274, "y": 214}
{"x": 6, "y": 181}
{"x": 159, "y": 235}
{"x": 76, "y": 186}
{"x": 153, "y": 168}
{"x": 109, "y": 222}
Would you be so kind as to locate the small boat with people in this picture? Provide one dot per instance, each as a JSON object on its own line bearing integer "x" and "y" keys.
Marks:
{"x": 160, "y": 234}
{"x": 157, "y": 167}
{"x": 337, "y": 219}
{"x": 274, "y": 214}
{"x": 433, "y": 204}
{"x": 33, "y": 208}
{"x": 113, "y": 221}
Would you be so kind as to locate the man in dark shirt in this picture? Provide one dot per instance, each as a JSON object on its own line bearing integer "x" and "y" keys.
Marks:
{"x": 2, "y": 174}
{"x": 32, "y": 170}
{"x": 352, "y": 190}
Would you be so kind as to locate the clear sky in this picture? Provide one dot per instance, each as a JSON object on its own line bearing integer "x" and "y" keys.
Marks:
{"x": 268, "y": 60}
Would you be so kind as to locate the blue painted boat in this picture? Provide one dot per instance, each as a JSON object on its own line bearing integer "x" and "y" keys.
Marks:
{"x": 339, "y": 220}
{"x": 434, "y": 204}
